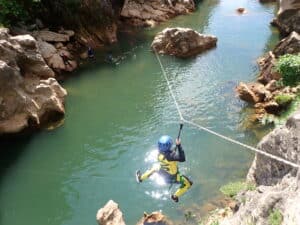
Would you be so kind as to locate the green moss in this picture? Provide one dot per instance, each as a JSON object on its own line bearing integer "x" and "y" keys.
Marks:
{"x": 275, "y": 217}
{"x": 232, "y": 189}
{"x": 284, "y": 99}
{"x": 215, "y": 223}
{"x": 288, "y": 112}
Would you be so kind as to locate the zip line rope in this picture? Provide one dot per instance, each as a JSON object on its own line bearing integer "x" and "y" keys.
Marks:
{"x": 170, "y": 88}
{"x": 277, "y": 158}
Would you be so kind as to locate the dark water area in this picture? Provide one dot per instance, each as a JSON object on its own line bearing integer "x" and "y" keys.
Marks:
{"x": 117, "y": 111}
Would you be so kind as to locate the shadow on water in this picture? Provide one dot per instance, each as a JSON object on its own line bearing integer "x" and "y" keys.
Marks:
{"x": 12, "y": 148}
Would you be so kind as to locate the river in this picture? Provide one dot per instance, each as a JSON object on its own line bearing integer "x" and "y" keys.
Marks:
{"x": 116, "y": 112}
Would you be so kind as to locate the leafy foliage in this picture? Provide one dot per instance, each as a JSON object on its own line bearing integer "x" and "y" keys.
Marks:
{"x": 275, "y": 217}
{"x": 232, "y": 189}
{"x": 12, "y": 11}
{"x": 289, "y": 67}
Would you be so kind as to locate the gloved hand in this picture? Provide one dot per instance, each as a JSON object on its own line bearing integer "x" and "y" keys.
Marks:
{"x": 178, "y": 141}
{"x": 138, "y": 176}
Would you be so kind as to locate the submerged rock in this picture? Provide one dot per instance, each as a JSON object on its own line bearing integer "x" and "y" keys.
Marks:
{"x": 147, "y": 13}
{"x": 182, "y": 42}
{"x": 30, "y": 96}
{"x": 241, "y": 10}
{"x": 110, "y": 214}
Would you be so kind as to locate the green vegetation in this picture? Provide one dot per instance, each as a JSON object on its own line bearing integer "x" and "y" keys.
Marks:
{"x": 275, "y": 217}
{"x": 284, "y": 115}
{"x": 232, "y": 189}
{"x": 289, "y": 67}
{"x": 13, "y": 11}
{"x": 284, "y": 99}
{"x": 215, "y": 223}
{"x": 189, "y": 215}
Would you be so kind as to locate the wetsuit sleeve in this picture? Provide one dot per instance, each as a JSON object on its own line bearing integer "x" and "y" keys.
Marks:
{"x": 176, "y": 156}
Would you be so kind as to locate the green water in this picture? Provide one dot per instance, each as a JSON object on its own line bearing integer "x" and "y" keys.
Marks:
{"x": 115, "y": 114}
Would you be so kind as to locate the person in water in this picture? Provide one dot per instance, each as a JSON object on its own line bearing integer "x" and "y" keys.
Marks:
{"x": 65, "y": 59}
{"x": 168, "y": 168}
{"x": 91, "y": 53}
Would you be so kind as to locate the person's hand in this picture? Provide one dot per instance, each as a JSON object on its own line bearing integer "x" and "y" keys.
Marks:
{"x": 178, "y": 142}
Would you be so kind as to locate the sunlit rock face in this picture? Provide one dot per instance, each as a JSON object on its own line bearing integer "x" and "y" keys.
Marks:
{"x": 30, "y": 97}
{"x": 278, "y": 183}
{"x": 151, "y": 12}
{"x": 110, "y": 214}
{"x": 182, "y": 42}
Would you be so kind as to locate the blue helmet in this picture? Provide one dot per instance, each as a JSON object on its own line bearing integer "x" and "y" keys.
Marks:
{"x": 165, "y": 143}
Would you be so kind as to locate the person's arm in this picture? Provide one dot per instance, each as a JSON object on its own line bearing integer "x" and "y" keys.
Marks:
{"x": 174, "y": 156}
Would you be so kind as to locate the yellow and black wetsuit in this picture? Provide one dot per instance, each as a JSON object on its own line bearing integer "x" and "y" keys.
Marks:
{"x": 168, "y": 168}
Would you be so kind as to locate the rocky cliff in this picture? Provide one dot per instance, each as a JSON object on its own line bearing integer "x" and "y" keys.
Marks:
{"x": 278, "y": 184}
{"x": 30, "y": 96}
{"x": 288, "y": 16}
{"x": 150, "y": 12}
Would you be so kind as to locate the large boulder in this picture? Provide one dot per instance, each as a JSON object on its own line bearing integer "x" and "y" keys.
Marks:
{"x": 54, "y": 57}
{"x": 29, "y": 95}
{"x": 288, "y": 16}
{"x": 50, "y": 36}
{"x": 288, "y": 45}
{"x": 182, "y": 42}
{"x": 147, "y": 13}
{"x": 266, "y": 65}
{"x": 110, "y": 214}
{"x": 251, "y": 92}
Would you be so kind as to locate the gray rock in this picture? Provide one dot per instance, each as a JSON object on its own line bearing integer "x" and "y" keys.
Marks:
{"x": 279, "y": 186}
{"x": 54, "y": 58}
{"x": 284, "y": 142}
{"x": 182, "y": 42}
{"x": 147, "y": 13}
{"x": 251, "y": 92}
{"x": 288, "y": 45}
{"x": 288, "y": 16}
{"x": 30, "y": 96}
{"x": 49, "y": 36}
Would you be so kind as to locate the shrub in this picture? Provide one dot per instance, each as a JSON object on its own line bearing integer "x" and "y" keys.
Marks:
{"x": 289, "y": 67}
{"x": 12, "y": 11}
{"x": 275, "y": 217}
{"x": 284, "y": 99}
{"x": 232, "y": 189}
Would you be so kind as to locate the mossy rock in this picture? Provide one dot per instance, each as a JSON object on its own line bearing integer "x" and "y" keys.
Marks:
{"x": 284, "y": 99}
{"x": 233, "y": 188}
